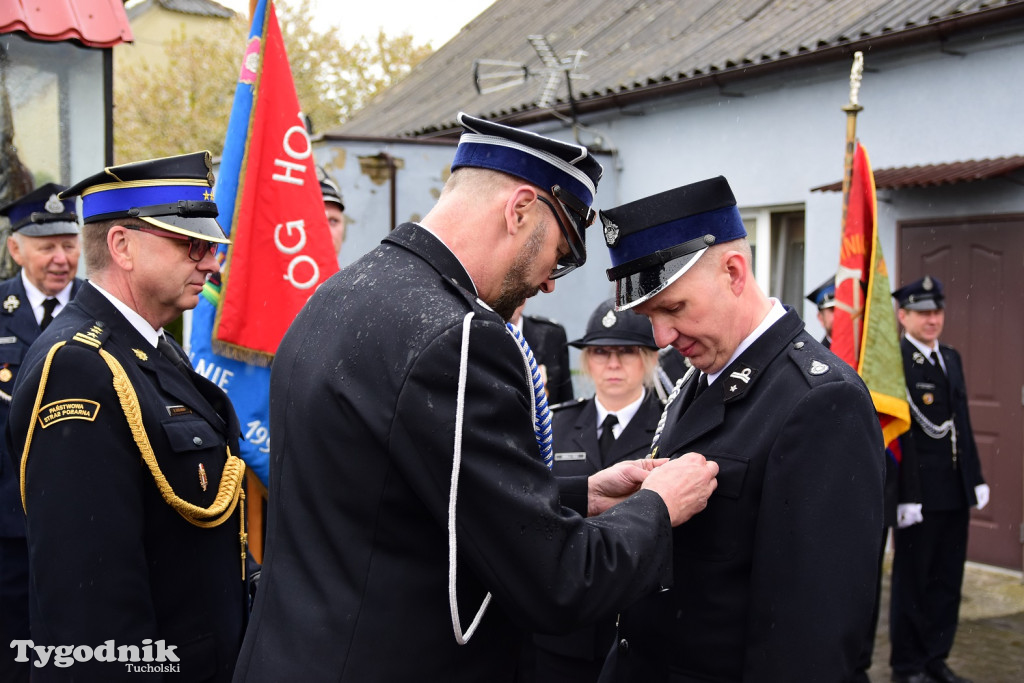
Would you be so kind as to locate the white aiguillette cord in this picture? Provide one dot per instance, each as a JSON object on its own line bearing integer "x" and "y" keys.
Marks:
{"x": 453, "y": 600}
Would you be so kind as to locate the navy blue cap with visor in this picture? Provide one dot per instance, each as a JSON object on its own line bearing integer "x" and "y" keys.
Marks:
{"x": 655, "y": 240}
{"x": 825, "y": 295}
{"x": 41, "y": 213}
{"x": 921, "y": 295}
{"x": 566, "y": 170}
{"x": 171, "y": 193}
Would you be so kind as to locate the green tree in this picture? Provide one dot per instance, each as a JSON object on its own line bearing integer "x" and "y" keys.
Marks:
{"x": 183, "y": 104}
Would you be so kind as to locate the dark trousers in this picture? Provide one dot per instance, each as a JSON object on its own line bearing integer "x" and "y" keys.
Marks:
{"x": 13, "y": 607}
{"x": 927, "y": 575}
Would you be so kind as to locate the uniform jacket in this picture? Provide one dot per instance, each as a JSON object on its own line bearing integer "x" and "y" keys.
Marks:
{"x": 549, "y": 344}
{"x": 775, "y": 579}
{"x": 363, "y": 406}
{"x": 18, "y": 329}
{"x": 574, "y": 429}
{"x": 110, "y": 558}
{"x": 939, "y": 485}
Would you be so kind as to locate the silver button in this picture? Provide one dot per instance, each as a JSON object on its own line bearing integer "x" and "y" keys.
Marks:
{"x": 197, "y": 441}
{"x": 798, "y": 345}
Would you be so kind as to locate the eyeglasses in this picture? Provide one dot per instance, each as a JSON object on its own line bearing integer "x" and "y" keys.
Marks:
{"x": 581, "y": 216}
{"x": 603, "y": 353}
{"x": 197, "y": 248}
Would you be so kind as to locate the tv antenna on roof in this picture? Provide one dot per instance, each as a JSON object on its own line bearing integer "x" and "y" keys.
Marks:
{"x": 492, "y": 75}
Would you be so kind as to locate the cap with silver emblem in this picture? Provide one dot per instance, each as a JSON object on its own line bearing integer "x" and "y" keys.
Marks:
{"x": 41, "y": 213}
{"x": 921, "y": 295}
{"x": 608, "y": 327}
{"x": 655, "y": 240}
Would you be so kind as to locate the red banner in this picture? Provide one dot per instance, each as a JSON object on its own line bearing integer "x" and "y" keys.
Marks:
{"x": 864, "y": 330}
{"x": 281, "y": 246}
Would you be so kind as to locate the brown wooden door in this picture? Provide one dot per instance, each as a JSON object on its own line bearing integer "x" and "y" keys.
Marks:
{"x": 980, "y": 262}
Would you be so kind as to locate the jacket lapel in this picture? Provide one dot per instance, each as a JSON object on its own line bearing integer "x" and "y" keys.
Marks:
{"x": 585, "y": 435}
{"x": 131, "y": 344}
{"x": 686, "y": 424}
{"x": 638, "y": 433}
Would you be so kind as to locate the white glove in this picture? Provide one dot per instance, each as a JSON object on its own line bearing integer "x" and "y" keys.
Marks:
{"x": 908, "y": 514}
{"x": 982, "y": 493}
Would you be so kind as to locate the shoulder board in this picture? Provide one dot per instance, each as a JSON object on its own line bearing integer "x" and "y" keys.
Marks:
{"x": 91, "y": 335}
{"x": 816, "y": 363}
{"x": 567, "y": 404}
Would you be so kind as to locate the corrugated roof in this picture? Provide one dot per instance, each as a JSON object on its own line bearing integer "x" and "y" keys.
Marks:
{"x": 931, "y": 175}
{"x": 94, "y": 23}
{"x": 643, "y": 47}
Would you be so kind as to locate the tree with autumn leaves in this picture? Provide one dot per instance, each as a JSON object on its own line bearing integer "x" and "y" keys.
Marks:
{"x": 183, "y": 103}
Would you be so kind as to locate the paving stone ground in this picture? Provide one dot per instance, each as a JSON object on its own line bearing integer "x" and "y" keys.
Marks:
{"x": 989, "y": 646}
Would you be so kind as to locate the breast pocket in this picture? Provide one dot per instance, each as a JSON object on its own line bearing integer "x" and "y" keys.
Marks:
{"x": 725, "y": 525}
{"x": 194, "y": 466}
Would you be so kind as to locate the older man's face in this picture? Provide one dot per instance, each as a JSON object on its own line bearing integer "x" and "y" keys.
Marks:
{"x": 49, "y": 263}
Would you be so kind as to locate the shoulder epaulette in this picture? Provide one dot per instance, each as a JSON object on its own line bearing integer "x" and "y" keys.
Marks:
{"x": 91, "y": 335}
{"x": 816, "y": 363}
{"x": 567, "y": 404}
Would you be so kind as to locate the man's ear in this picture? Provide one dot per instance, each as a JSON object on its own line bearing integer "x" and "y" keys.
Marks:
{"x": 522, "y": 199}
{"x": 15, "y": 249}
{"x": 119, "y": 246}
{"x": 735, "y": 263}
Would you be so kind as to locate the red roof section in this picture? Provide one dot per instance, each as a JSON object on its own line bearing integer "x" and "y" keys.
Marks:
{"x": 94, "y": 23}
{"x": 938, "y": 174}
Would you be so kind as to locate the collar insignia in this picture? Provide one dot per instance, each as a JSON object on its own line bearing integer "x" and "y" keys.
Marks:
{"x": 11, "y": 303}
{"x": 140, "y": 354}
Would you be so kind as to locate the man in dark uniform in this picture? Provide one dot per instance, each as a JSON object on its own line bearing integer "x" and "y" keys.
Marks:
{"x": 44, "y": 242}
{"x": 928, "y": 563}
{"x": 550, "y": 346}
{"x": 414, "y": 531}
{"x": 616, "y": 424}
{"x": 824, "y": 297}
{"x": 129, "y": 475}
{"x": 774, "y": 581}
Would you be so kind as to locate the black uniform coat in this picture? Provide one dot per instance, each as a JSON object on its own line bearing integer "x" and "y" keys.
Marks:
{"x": 574, "y": 429}
{"x": 110, "y": 559}
{"x": 939, "y": 485}
{"x": 18, "y": 329}
{"x": 775, "y": 579}
{"x": 363, "y": 409}
{"x": 549, "y": 344}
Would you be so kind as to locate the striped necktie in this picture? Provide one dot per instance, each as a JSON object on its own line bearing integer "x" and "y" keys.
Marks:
{"x": 542, "y": 417}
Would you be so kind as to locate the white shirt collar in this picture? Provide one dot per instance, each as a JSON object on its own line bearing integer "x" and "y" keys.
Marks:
{"x": 624, "y": 415}
{"x": 775, "y": 314}
{"x": 927, "y": 350}
{"x": 36, "y": 297}
{"x": 133, "y": 318}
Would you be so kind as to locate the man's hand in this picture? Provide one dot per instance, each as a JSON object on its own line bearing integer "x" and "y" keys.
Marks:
{"x": 685, "y": 484}
{"x": 615, "y": 484}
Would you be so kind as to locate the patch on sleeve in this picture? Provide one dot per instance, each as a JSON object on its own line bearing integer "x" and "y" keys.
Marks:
{"x": 68, "y": 409}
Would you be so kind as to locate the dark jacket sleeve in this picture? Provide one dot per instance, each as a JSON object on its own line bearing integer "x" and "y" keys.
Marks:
{"x": 547, "y": 565}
